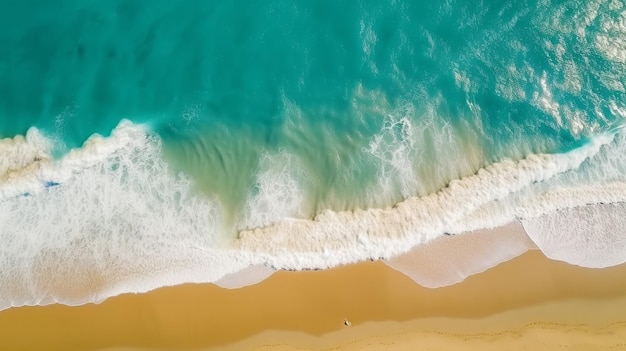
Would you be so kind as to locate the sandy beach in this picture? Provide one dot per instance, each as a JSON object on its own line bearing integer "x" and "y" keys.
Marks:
{"x": 530, "y": 301}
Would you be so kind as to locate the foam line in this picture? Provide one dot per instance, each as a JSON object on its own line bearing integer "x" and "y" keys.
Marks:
{"x": 28, "y": 167}
{"x": 335, "y": 238}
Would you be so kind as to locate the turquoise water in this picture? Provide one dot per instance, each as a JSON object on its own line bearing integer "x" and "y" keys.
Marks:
{"x": 222, "y": 82}
{"x": 285, "y": 109}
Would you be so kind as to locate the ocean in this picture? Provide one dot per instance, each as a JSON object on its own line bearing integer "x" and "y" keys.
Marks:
{"x": 146, "y": 145}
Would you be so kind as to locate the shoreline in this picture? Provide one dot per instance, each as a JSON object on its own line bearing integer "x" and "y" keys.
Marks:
{"x": 528, "y": 295}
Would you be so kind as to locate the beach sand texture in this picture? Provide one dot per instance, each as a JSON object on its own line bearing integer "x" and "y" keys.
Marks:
{"x": 529, "y": 302}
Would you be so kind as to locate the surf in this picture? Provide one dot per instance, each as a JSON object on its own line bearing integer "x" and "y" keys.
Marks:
{"x": 330, "y": 134}
{"x": 123, "y": 209}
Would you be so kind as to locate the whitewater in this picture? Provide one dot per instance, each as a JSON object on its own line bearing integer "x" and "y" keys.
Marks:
{"x": 442, "y": 140}
{"x": 117, "y": 220}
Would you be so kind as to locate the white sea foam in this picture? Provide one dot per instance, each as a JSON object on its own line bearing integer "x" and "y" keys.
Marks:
{"x": 277, "y": 194}
{"x": 26, "y": 165}
{"x": 119, "y": 221}
{"x": 21, "y": 160}
{"x": 589, "y": 236}
{"x": 122, "y": 221}
{"x": 335, "y": 238}
{"x": 417, "y": 151}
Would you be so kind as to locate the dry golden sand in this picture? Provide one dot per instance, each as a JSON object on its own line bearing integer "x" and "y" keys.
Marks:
{"x": 527, "y": 303}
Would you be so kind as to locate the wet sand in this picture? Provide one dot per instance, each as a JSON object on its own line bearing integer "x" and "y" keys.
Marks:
{"x": 529, "y": 302}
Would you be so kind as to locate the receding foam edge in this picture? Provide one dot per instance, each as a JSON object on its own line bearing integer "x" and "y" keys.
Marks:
{"x": 245, "y": 277}
{"x": 450, "y": 259}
